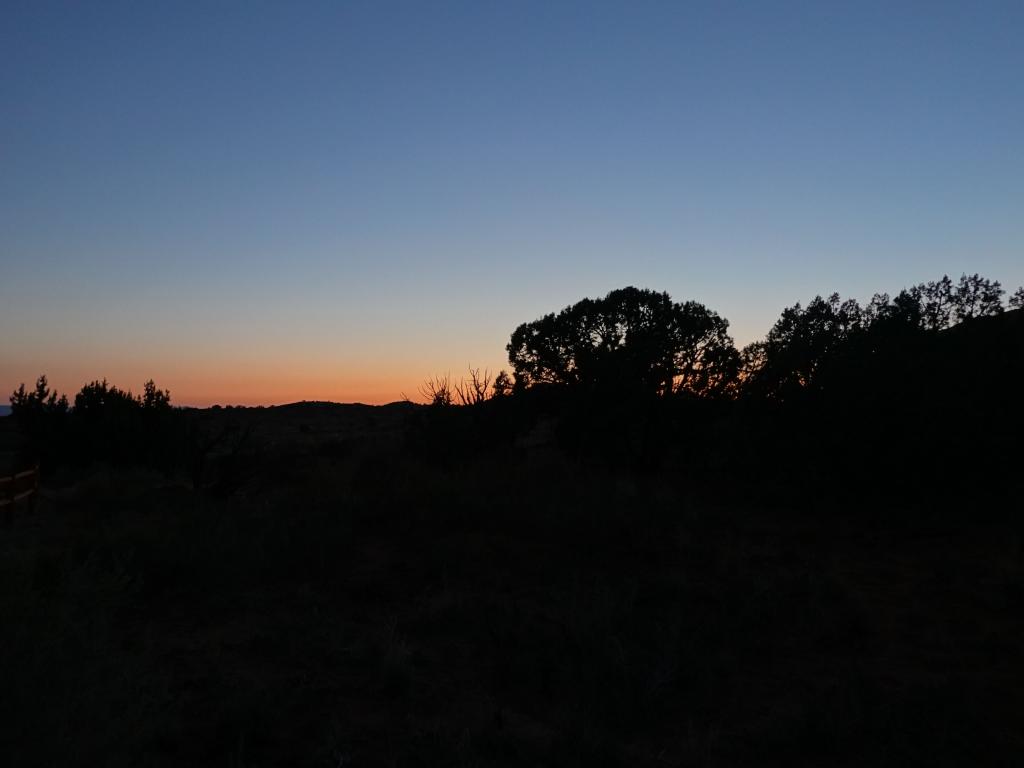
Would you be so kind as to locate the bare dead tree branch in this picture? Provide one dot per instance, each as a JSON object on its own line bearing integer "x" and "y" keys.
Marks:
{"x": 437, "y": 390}
{"x": 475, "y": 389}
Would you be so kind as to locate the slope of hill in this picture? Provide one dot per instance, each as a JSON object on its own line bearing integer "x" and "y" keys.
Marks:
{"x": 544, "y": 580}
{"x": 366, "y": 586}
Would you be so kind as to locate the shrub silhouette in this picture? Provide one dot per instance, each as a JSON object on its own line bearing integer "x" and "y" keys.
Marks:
{"x": 155, "y": 399}
{"x": 476, "y": 389}
{"x": 41, "y": 416}
{"x": 105, "y": 424}
{"x": 503, "y": 385}
{"x": 29, "y": 404}
{"x": 438, "y": 391}
{"x": 631, "y": 340}
{"x": 1017, "y": 299}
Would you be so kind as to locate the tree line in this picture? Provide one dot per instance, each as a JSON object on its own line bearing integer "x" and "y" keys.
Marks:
{"x": 640, "y": 342}
{"x": 103, "y": 422}
{"x": 605, "y": 363}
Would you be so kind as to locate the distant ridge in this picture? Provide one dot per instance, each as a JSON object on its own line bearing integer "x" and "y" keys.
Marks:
{"x": 312, "y": 404}
{"x": 319, "y": 405}
{"x": 5, "y": 410}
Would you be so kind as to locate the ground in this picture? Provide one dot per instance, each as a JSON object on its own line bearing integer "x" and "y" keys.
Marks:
{"x": 329, "y": 592}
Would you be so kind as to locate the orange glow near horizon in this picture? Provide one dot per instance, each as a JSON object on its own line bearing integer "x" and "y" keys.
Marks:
{"x": 247, "y": 384}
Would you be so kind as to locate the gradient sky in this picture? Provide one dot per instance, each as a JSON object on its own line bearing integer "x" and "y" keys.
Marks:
{"x": 263, "y": 202}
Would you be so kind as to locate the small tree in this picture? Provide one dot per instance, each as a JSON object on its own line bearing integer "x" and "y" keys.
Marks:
{"x": 475, "y": 389}
{"x": 1017, "y": 299}
{"x": 99, "y": 398}
{"x": 437, "y": 391}
{"x": 28, "y": 404}
{"x": 41, "y": 415}
{"x": 502, "y": 386}
{"x": 155, "y": 399}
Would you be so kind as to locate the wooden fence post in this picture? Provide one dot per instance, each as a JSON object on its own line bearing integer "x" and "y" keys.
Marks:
{"x": 10, "y": 496}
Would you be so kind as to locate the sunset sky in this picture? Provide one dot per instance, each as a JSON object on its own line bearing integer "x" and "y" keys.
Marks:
{"x": 257, "y": 202}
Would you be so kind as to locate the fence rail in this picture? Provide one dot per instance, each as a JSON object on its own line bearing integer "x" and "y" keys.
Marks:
{"x": 17, "y": 487}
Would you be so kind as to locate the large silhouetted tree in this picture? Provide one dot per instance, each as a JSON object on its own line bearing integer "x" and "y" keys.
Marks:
{"x": 632, "y": 339}
{"x": 977, "y": 297}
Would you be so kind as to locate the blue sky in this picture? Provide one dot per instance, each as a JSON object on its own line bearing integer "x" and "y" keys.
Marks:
{"x": 260, "y": 202}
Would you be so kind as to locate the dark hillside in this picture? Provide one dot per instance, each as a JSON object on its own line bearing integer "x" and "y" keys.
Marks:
{"x": 10, "y": 444}
{"x": 341, "y": 590}
{"x": 811, "y": 555}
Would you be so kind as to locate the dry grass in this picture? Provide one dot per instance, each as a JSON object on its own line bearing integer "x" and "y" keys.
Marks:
{"x": 367, "y": 605}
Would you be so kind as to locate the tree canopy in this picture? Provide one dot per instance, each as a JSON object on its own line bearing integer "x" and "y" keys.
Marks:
{"x": 830, "y": 337}
{"x": 632, "y": 338}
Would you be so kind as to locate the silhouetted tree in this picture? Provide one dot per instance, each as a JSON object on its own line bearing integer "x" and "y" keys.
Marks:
{"x": 99, "y": 397}
{"x": 1017, "y": 299}
{"x": 475, "y": 389}
{"x": 937, "y": 303}
{"x": 438, "y": 391}
{"x": 977, "y": 297}
{"x": 831, "y": 336}
{"x": 502, "y": 385}
{"x": 632, "y": 339}
{"x": 41, "y": 416}
{"x": 752, "y": 361}
{"x": 106, "y": 424}
{"x": 877, "y": 308}
{"x": 906, "y": 311}
{"x": 802, "y": 341}
{"x": 28, "y": 404}
{"x": 155, "y": 399}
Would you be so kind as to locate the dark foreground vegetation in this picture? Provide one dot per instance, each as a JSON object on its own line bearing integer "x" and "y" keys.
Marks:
{"x": 642, "y": 547}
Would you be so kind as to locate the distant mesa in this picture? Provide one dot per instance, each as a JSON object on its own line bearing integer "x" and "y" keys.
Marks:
{"x": 327, "y": 405}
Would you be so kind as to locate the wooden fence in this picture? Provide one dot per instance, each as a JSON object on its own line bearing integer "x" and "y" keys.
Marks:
{"x": 17, "y": 487}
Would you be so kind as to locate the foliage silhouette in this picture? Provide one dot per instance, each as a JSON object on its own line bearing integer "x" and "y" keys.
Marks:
{"x": 553, "y": 575}
{"x": 476, "y": 389}
{"x": 800, "y": 343}
{"x": 41, "y": 415}
{"x": 977, "y": 297}
{"x": 832, "y": 361}
{"x": 632, "y": 340}
{"x": 105, "y": 424}
{"x": 808, "y": 349}
{"x": 438, "y": 391}
{"x": 503, "y": 385}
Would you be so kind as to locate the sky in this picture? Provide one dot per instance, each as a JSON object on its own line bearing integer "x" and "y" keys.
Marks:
{"x": 257, "y": 202}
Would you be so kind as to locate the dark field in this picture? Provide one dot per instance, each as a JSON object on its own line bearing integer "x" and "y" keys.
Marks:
{"x": 702, "y": 325}
{"x": 349, "y": 586}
